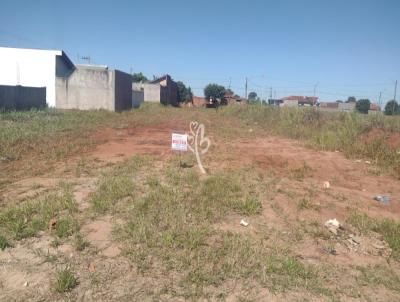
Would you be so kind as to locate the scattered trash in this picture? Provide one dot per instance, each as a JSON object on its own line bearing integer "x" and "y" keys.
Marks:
{"x": 92, "y": 267}
{"x": 382, "y": 199}
{"x": 333, "y": 225}
{"x": 52, "y": 223}
{"x": 368, "y": 162}
{"x": 250, "y": 130}
{"x": 378, "y": 246}
{"x": 244, "y": 223}
{"x": 26, "y": 283}
{"x": 358, "y": 160}
{"x": 7, "y": 158}
{"x": 354, "y": 240}
{"x": 337, "y": 151}
{"x": 327, "y": 185}
{"x": 330, "y": 251}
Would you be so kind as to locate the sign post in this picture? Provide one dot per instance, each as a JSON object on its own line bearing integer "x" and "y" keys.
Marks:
{"x": 179, "y": 143}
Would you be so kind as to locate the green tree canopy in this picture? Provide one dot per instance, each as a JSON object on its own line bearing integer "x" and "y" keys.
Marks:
{"x": 214, "y": 91}
{"x": 392, "y": 108}
{"x": 184, "y": 93}
{"x": 351, "y": 99}
{"x": 139, "y": 77}
{"x": 363, "y": 105}
{"x": 252, "y": 96}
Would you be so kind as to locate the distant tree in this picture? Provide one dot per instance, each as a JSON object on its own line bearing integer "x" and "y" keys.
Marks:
{"x": 139, "y": 77}
{"x": 252, "y": 96}
{"x": 363, "y": 105}
{"x": 184, "y": 93}
{"x": 339, "y": 101}
{"x": 214, "y": 91}
{"x": 351, "y": 99}
{"x": 392, "y": 108}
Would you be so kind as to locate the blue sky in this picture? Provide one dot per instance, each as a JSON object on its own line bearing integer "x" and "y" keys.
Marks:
{"x": 342, "y": 47}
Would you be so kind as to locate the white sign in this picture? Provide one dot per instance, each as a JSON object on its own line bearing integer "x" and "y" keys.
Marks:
{"x": 179, "y": 142}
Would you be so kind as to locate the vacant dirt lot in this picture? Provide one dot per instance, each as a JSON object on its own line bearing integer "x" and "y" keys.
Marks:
{"x": 130, "y": 224}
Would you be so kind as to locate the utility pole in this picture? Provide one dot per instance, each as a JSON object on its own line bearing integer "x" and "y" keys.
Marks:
{"x": 315, "y": 87}
{"x": 245, "y": 89}
{"x": 395, "y": 90}
{"x": 270, "y": 92}
{"x": 230, "y": 81}
{"x": 380, "y": 96}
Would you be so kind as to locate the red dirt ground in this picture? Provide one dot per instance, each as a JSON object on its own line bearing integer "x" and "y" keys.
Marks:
{"x": 352, "y": 185}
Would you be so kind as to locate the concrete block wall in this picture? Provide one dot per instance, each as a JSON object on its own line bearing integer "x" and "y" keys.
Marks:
{"x": 137, "y": 98}
{"x": 123, "y": 90}
{"x": 152, "y": 92}
{"x": 90, "y": 87}
{"x": 22, "y": 97}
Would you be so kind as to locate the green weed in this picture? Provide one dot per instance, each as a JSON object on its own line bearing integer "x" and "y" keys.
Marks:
{"x": 111, "y": 190}
{"x": 64, "y": 227}
{"x": 30, "y": 217}
{"x": 389, "y": 229}
{"x": 80, "y": 242}
{"x": 3, "y": 243}
{"x": 66, "y": 280}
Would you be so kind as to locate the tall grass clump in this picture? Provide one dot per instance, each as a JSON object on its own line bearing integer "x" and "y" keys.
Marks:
{"x": 347, "y": 132}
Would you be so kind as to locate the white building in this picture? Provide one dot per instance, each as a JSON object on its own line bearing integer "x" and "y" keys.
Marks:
{"x": 34, "y": 68}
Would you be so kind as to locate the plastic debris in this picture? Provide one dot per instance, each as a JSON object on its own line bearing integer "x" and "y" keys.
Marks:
{"x": 368, "y": 162}
{"x": 333, "y": 225}
{"x": 378, "y": 246}
{"x": 358, "y": 160}
{"x": 382, "y": 199}
{"x": 26, "y": 284}
{"x": 354, "y": 240}
{"x": 92, "y": 267}
{"x": 244, "y": 223}
{"x": 327, "y": 185}
{"x": 330, "y": 251}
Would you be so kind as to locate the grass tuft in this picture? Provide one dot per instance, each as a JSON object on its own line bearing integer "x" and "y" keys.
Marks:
{"x": 388, "y": 228}
{"x": 80, "y": 242}
{"x": 4, "y": 243}
{"x": 110, "y": 191}
{"x": 66, "y": 280}
{"x": 30, "y": 217}
{"x": 65, "y": 227}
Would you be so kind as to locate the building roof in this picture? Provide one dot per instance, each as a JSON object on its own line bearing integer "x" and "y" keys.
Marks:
{"x": 162, "y": 78}
{"x": 374, "y": 107}
{"x": 89, "y": 66}
{"x": 59, "y": 53}
{"x": 301, "y": 99}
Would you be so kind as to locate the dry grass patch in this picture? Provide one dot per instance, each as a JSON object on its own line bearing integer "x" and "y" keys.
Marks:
{"x": 31, "y": 216}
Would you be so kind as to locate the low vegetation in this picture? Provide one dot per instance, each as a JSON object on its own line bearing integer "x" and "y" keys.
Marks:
{"x": 32, "y": 216}
{"x": 178, "y": 232}
{"x": 330, "y": 131}
{"x": 389, "y": 229}
{"x": 66, "y": 280}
